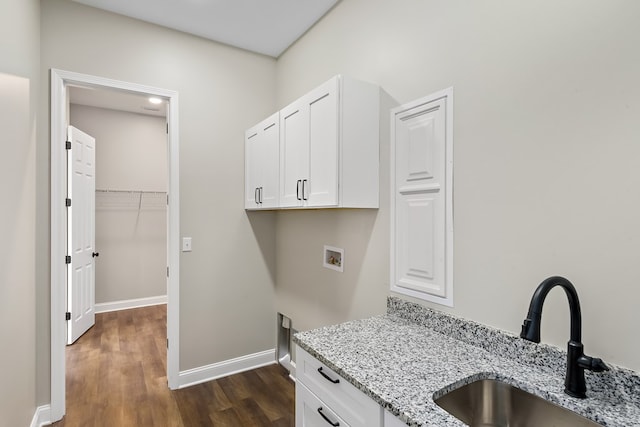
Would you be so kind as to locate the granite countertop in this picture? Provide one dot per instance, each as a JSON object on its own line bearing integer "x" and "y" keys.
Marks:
{"x": 411, "y": 355}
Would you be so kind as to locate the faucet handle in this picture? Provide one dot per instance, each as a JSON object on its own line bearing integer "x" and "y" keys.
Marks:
{"x": 594, "y": 364}
{"x": 597, "y": 365}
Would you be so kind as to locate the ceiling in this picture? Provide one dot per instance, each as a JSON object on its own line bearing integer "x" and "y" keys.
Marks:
{"x": 116, "y": 100}
{"x": 268, "y": 27}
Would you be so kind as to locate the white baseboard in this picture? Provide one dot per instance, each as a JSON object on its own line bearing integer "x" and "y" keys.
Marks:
{"x": 228, "y": 367}
{"x": 288, "y": 364}
{"x": 42, "y": 416}
{"x": 130, "y": 303}
{"x": 292, "y": 371}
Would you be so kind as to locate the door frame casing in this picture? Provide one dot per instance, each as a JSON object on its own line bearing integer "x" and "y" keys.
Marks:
{"x": 60, "y": 81}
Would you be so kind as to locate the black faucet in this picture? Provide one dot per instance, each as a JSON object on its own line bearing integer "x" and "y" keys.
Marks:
{"x": 577, "y": 361}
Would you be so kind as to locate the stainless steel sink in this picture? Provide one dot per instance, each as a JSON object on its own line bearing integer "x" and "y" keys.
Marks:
{"x": 487, "y": 403}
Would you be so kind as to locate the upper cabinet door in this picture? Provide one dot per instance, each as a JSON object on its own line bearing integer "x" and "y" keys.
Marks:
{"x": 262, "y": 164}
{"x": 294, "y": 153}
{"x": 321, "y": 189}
{"x": 251, "y": 169}
{"x": 270, "y": 153}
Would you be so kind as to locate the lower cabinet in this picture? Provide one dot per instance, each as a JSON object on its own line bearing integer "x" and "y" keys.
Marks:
{"x": 313, "y": 412}
{"x": 391, "y": 420}
{"x": 324, "y": 398}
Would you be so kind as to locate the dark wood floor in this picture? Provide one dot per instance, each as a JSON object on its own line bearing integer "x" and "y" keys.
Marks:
{"x": 116, "y": 377}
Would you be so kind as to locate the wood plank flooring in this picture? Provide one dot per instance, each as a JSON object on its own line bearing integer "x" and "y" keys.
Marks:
{"x": 116, "y": 377}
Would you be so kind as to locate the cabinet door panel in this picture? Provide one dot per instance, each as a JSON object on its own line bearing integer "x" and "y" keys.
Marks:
{"x": 419, "y": 199}
{"x": 270, "y": 158}
{"x": 312, "y": 412}
{"x": 323, "y": 145}
{"x": 351, "y": 404}
{"x": 294, "y": 153}
{"x": 251, "y": 167}
{"x": 391, "y": 420}
{"x": 262, "y": 164}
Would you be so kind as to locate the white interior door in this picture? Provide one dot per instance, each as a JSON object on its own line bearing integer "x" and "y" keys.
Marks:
{"x": 81, "y": 187}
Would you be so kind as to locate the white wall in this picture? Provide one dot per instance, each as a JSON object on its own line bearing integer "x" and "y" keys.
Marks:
{"x": 546, "y": 151}
{"x": 226, "y": 283}
{"x": 131, "y": 154}
{"x": 19, "y": 84}
{"x": 131, "y": 149}
{"x": 545, "y": 129}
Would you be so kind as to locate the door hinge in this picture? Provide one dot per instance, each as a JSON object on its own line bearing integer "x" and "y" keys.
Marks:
{"x": 67, "y": 316}
{"x": 67, "y": 202}
{"x": 67, "y": 145}
{"x": 67, "y": 259}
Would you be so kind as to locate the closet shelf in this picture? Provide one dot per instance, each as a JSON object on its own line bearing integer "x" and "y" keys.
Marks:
{"x": 130, "y": 200}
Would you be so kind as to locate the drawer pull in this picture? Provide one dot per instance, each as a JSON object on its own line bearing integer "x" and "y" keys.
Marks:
{"x": 327, "y": 376}
{"x": 336, "y": 424}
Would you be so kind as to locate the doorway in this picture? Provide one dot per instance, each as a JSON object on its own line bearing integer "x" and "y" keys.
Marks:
{"x": 61, "y": 81}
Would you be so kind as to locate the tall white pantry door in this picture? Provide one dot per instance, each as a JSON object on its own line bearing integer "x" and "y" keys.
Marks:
{"x": 81, "y": 187}
{"x": 420, "y": 204}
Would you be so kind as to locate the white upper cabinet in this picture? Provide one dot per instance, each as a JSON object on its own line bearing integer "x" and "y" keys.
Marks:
{"x": 329, "y": 147}
{"x": 262, "y": 164}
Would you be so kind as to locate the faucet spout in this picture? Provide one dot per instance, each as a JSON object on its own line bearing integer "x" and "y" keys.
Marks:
{"x": 577, "y": 361}
{"x": 531, "y": 325}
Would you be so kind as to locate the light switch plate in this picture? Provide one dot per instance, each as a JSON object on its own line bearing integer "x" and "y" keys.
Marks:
{"x": 186, "y": 244}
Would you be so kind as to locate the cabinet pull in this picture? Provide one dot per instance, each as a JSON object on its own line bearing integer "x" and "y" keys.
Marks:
{"x": 303, "y": 192}
{"x": 255, "y": 195}
{"x": 327, "y": 376}
{"x": 260, "y": 193}
{"x": 336, "y": 424}
{"x": 298, "y": 189}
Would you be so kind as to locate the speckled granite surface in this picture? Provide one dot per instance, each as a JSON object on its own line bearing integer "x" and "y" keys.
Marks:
{"x": 411, "y": 355}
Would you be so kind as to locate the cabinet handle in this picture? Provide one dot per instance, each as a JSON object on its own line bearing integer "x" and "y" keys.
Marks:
{"x": 298, "y": 189}
{"x": 336, "y": 424}
{"x": 303, "y": 192}
{"x": 255, "y": 195}
{"x": 327, "y": 376}
{"x": 260, "y": 193}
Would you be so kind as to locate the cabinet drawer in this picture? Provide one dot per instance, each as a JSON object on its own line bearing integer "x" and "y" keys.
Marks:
{"x": 352, "y": 405}
{"x": 311, "y": 412}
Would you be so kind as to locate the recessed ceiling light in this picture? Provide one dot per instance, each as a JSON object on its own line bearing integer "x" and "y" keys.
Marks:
{"x": 155, "y": 100}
